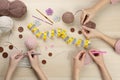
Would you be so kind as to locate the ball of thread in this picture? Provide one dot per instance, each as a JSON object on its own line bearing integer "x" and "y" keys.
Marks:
{"x": 14, "y": 9}
{"x": 17, "y": 9}
{"x": 68, "y": 17}
{"x": 4, "y": 7}
{"x": 6, "y": 24}
{"x": 31, "y": 43}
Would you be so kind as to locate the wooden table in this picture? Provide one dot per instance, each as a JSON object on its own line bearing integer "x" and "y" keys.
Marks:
{"x": 59, "y": 66}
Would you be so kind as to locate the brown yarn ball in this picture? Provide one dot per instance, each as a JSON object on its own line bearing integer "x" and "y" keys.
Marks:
{"x": 17, "y": 9}
{"x": 4, "y": 7}
{"x": 90, "y": 24}
{"x": 68, "y": 17}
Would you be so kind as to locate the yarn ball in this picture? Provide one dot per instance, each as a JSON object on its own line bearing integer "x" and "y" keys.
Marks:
{"x": 31, "y": 43}
{"x": 6, "y": 24}
{"x": 17, "y": 9}
{"x": 68, "y": 17}
{"x": 90, "y": 24}
{"x": 4, "y": 7}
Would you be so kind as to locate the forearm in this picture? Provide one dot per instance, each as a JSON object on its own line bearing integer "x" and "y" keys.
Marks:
{"x": 108, "y": 39}
{"x": 40, "y": 74}
{"x": 100, "y": 4}
{"x": 9, "y": 74}
{"x": 104, "y": 73}
{"x": 76, "y": 73}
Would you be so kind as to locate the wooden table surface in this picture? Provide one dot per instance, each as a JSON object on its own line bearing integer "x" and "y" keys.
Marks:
{"x": 59, "y": 66}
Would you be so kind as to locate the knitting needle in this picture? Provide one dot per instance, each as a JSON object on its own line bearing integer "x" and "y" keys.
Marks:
{"x": 42, "y": 20}
{"x": 36, "y": 54}
{"x": 44, "y": 16}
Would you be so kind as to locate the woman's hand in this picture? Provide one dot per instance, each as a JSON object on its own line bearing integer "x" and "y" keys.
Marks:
{"x": 91, "y": 33}
{"x": 33, "y": 59}
{"x": 97, "y": 57}
{"x": 79, "y": 60}
{"x": 15, "y": 59}
{"x": 87, "y": 15}
{"x": 78, "y": 64}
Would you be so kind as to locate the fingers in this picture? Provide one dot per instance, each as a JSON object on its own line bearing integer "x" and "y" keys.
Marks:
{"x": 86, "y": 28}
{"x": 83, "y": 16}
{"x": 33, "y": 55}
{"x": 91, "y": 54}
{"x": 29, "y": 55}
{"x": 85, "y": 33}
{"x": 87, "y": 19}
{"x": 20, "y": 57}
{"x": 80, "y": 55}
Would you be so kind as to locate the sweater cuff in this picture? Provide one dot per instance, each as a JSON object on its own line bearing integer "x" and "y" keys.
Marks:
{"x": 114, "y": 1}
{"x": 117, "y": 46}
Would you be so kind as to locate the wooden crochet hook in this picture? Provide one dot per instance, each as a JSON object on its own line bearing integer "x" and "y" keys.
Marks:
{"x": 44, "y": 16}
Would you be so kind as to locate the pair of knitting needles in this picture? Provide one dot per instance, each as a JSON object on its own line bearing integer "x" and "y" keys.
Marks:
{"x": 45, "y": 17}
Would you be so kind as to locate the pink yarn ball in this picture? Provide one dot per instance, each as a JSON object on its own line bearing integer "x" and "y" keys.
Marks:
{"x": 31, "y": 43}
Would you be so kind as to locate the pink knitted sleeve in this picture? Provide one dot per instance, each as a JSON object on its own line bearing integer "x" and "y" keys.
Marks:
{"x": 114, "y": 1}
{"x": 117, "y": 46}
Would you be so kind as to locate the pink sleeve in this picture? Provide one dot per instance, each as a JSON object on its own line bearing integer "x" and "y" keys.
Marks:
{"x": 114, "y": 1}
{"x": 117, "y": 46}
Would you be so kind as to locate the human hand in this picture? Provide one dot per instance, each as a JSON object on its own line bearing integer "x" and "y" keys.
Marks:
{"x": 90, "y": 33}
{"x": 15, "y": 59}
{"x": 79, "y": 60}
{"x": 33, "y": 59}
{"x": 97, "y": 57}
{"x": 87, "y": 15}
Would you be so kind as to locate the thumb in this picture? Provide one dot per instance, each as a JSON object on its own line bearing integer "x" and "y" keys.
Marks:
{"x": 91, "y": 54}
{"x": 29, "y": 55}
{"x": 20, "y": 57}
{"x": 87, "y": 19}
{"x": 83, "y": 57}
{"x": 84, "y": 33}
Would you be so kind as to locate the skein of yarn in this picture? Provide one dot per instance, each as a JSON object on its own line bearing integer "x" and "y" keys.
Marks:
{"x": 6, "y": 24}
{"x": 14, "y": 9}
{"x": 31, "y": 43}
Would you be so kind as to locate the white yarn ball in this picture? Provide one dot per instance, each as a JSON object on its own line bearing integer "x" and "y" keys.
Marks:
{"x": 6, "y": 24}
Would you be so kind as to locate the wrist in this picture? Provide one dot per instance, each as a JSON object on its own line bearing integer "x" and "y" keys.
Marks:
{"x": 100, "y": 4}
{"x": 12, "y": 68}
{"x": 101, "y": 65}
{"x": 76, "y": 69}
{"x": 100, "y": 35}
{"x": 36, "y": 68}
